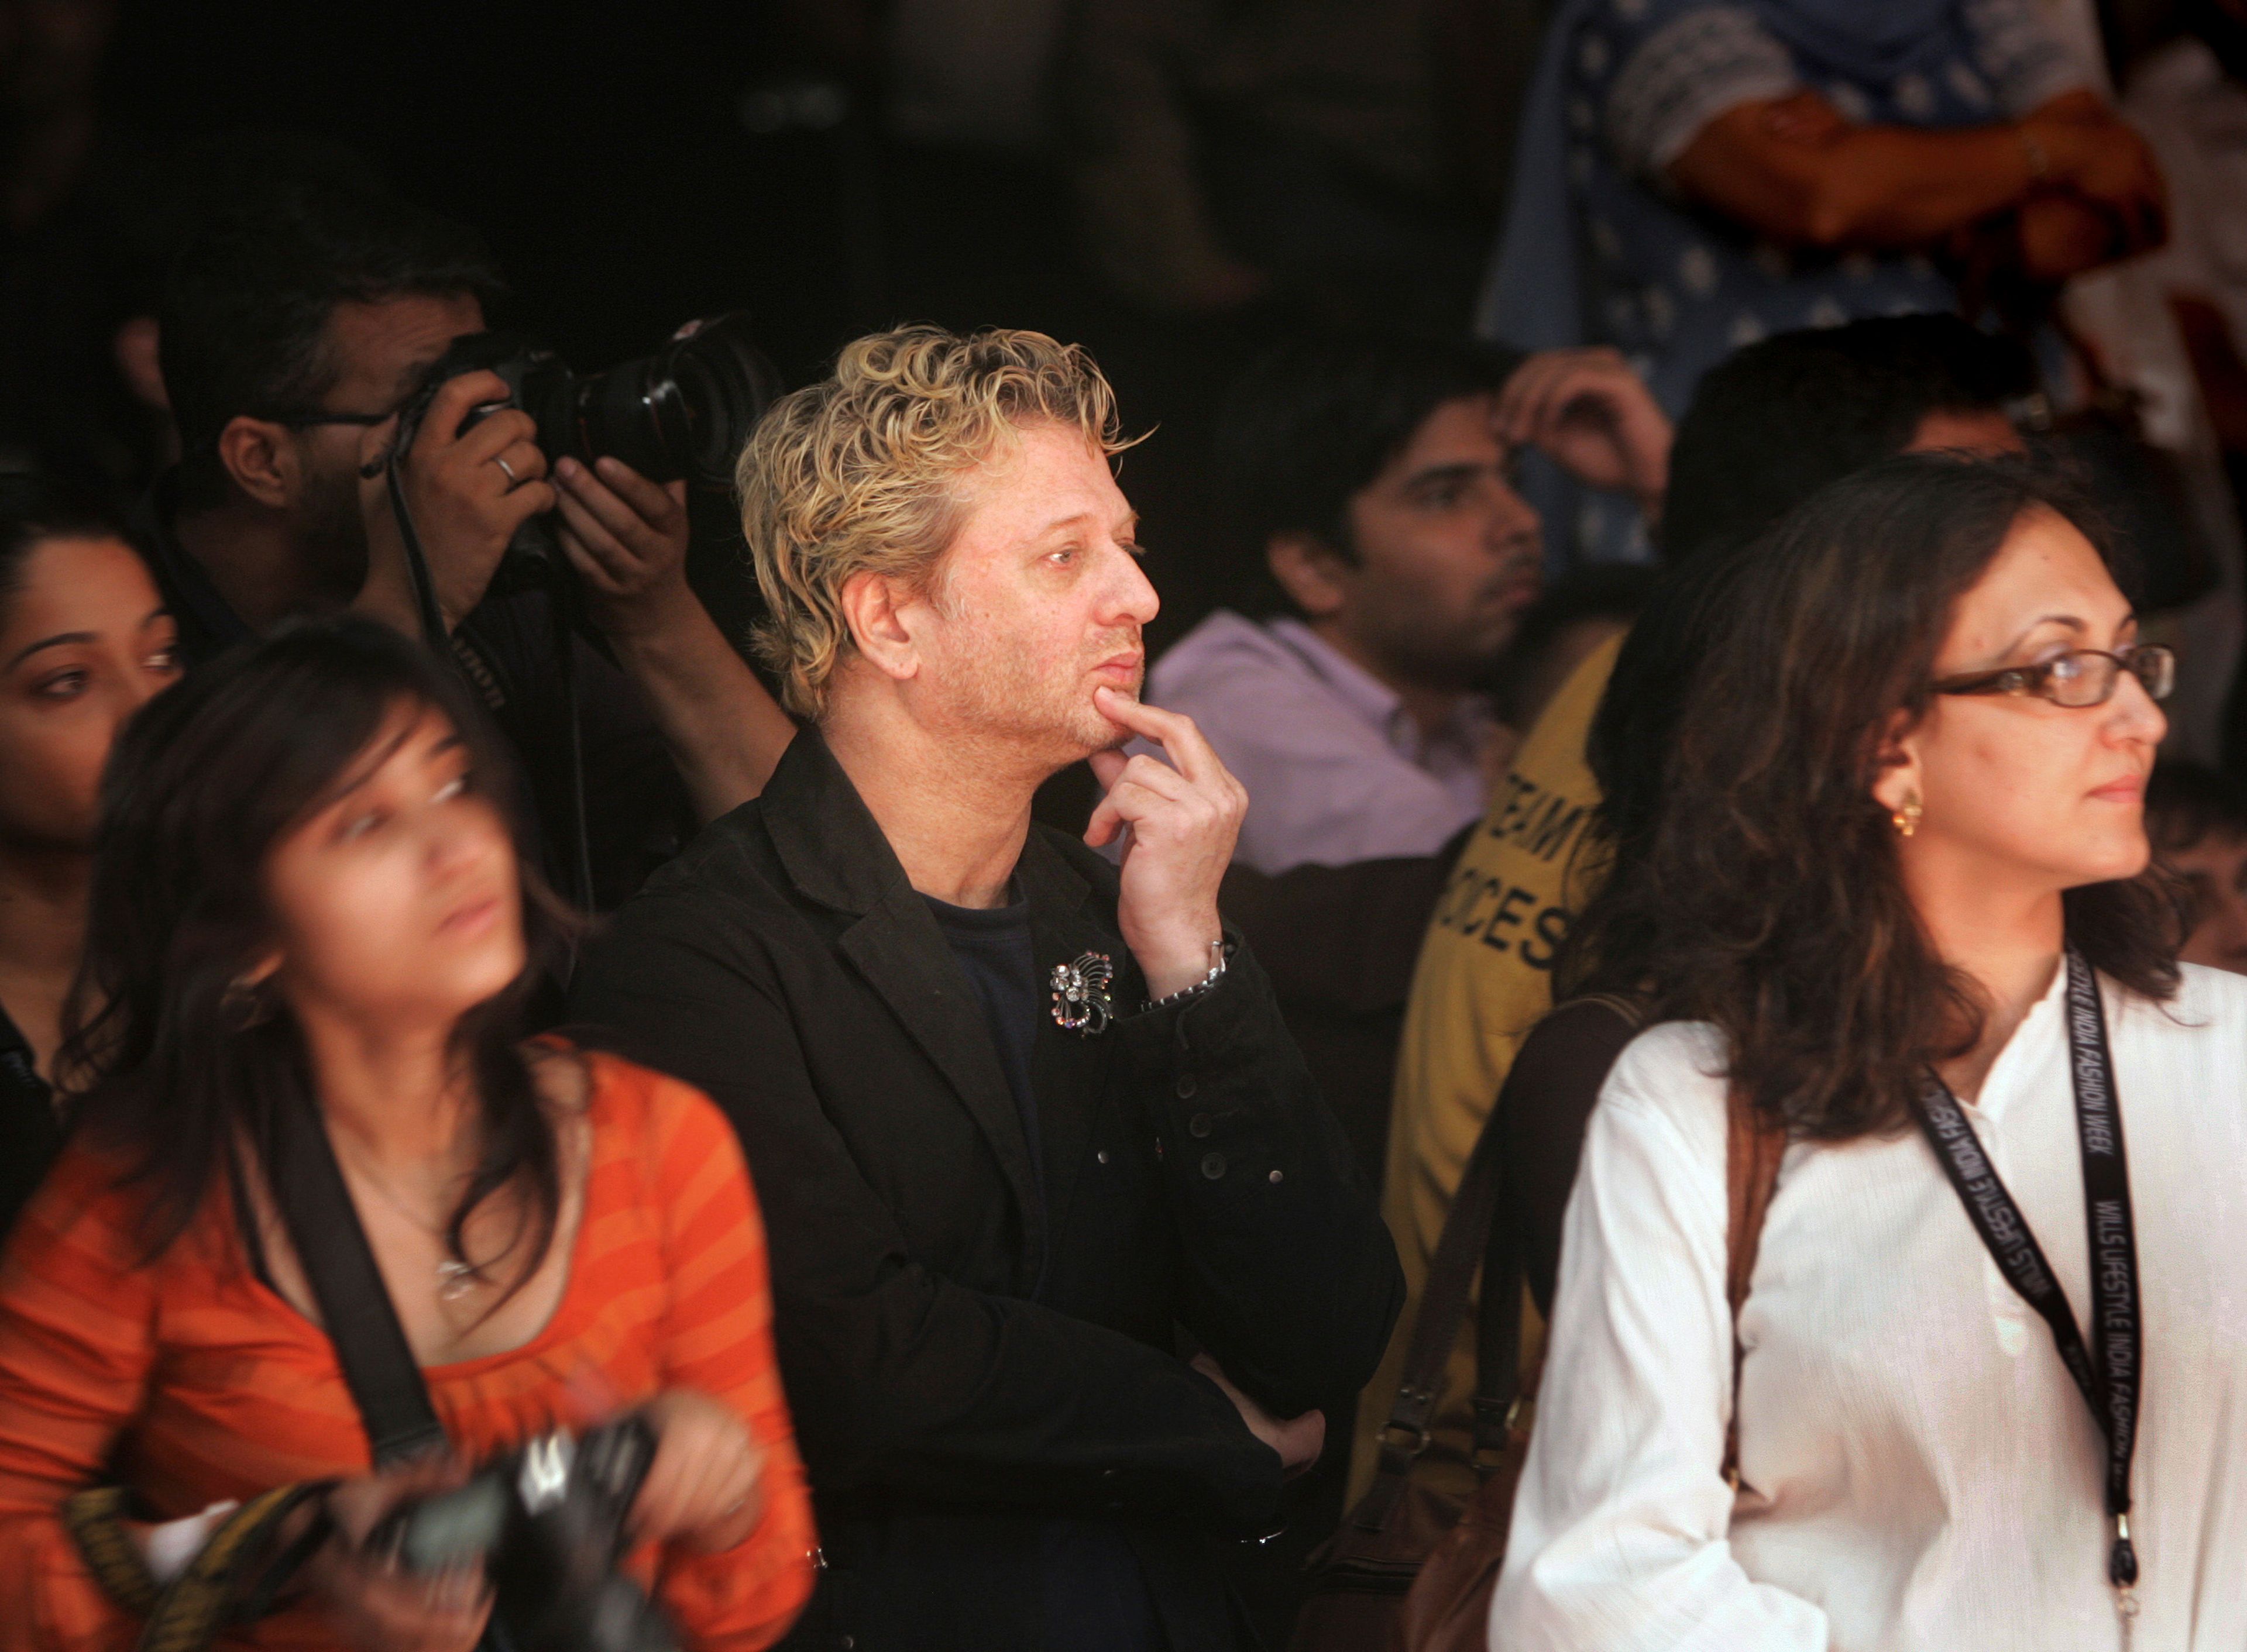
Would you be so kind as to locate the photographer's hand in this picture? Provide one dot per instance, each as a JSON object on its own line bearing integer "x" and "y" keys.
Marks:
{"x": 627, "y": 537}
{"x": 707, "y": 1483}
{"x": 376, "y": 1608}
{"x": 468, "y": 491}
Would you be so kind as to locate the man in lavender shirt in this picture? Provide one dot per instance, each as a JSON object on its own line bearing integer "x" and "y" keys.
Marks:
{"x": 1376, "y": 475}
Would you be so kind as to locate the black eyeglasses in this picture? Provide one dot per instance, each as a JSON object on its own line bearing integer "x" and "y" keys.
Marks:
{"x": 2080, "y": 677}
{"x": 306, "y": 417}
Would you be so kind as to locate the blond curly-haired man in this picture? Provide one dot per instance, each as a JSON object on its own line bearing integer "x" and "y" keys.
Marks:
{"x": 1016, "y": 1115}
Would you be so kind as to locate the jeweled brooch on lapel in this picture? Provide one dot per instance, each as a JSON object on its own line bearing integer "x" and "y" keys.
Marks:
{"x": 1079, "y": 994}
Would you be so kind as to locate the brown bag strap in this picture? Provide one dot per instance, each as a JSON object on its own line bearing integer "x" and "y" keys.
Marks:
{"x": 1471, "y": 1240}
{"x": 1467, "y": 1231}
{"x": 1753, "y": 1148}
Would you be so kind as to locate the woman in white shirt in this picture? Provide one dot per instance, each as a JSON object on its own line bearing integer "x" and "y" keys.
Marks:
{"x": 1907, "y": 785}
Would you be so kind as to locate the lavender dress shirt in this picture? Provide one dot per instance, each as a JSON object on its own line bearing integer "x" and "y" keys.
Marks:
{"x": 1336, "y": 771}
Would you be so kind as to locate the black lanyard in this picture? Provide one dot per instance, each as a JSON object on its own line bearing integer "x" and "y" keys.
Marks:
{"x": 2110, "y": 1387}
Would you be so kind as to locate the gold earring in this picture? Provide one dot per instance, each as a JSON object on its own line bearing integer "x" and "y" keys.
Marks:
{"x": 1906, "y": 820}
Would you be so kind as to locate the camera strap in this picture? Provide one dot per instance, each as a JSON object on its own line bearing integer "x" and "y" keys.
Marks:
{"x": 433, "y": 629}
{"x": 569, "y": 619}
{"x": 378, "y": 1363}
{"x": 2109, "y": 1386}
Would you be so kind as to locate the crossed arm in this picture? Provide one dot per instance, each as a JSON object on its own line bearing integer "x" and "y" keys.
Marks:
{"x": 1795, "y": 170}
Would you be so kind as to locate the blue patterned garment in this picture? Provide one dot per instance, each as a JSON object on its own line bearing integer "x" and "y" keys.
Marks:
{"x": 1615, "y": 256}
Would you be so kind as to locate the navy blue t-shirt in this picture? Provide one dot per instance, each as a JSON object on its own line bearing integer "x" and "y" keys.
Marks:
{"x": 1095, "y": 1597}
{"x": 993, "y": 944}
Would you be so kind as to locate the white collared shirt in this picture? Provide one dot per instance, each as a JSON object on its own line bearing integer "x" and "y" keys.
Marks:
{"x": 1924, "y": 1473}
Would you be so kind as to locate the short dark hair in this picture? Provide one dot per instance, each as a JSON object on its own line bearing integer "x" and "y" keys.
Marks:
{"x": 1313, "y": 420}
{"x": 2187, "y": 801}
{"x": 247, "y": 301}
{"x": 1775, "y": 421}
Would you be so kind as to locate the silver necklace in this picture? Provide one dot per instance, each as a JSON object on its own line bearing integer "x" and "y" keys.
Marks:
{"x": 457, "y": 1280}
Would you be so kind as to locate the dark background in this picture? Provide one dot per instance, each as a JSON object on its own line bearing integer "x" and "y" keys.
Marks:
{"x": 603, "y": 152}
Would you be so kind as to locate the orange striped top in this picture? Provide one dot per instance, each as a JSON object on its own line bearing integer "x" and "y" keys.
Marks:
{"x": 192, "y": 1381}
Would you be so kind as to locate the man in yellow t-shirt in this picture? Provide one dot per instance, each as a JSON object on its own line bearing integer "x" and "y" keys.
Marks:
{"x": 1768, "y": 426}
{"x": 1483, "y": 979}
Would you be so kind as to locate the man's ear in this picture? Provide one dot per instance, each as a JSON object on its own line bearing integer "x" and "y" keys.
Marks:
{"x": 872, "y": 606}
{"x": 1896, "y": 760}
{"x": 1313, "y": 574}
{"x": 261, "y": 460}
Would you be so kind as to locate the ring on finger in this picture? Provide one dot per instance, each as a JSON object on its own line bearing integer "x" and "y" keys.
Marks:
{"x": 507, "y": 470}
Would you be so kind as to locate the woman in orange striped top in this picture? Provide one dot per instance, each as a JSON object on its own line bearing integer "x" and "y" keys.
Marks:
{"x": 309, "y": 907}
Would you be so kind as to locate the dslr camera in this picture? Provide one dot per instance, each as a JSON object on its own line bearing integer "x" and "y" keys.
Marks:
{"x": 684, "y": 412}
{"x": 547, "y": 1523}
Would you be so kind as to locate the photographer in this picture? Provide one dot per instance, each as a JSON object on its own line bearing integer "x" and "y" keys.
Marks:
{"x": 311, "y": 938}
{"x": 295, "y": 324}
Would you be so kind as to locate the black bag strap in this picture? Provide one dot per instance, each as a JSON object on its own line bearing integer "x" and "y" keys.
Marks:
{"x": 378, "y": 1364}
{"x": 20, "y": 1083}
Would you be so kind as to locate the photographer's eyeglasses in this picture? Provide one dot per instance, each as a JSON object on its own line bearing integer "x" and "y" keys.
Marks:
{"x": 306, "y": 418}
{"x": 2080, "y": 677}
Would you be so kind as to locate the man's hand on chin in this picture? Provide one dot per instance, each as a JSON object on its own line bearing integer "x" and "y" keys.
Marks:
{"x": 1183, "y": 822}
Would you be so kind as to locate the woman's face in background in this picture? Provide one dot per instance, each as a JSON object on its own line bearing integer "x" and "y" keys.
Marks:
{"x": 84, "y": 643}
{"x": 397, "y": 901}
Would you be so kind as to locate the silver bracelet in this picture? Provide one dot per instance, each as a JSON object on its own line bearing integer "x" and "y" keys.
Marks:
{"x": 1184, "y": 993}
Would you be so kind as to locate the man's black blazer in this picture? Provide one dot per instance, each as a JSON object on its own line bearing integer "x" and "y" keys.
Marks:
{"x": 974, "y": 1343}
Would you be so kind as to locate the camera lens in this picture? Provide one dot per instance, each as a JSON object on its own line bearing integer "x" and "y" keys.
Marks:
{"x": 687, "y": 410}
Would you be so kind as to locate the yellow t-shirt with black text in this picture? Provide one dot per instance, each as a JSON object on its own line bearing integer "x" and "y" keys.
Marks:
{"x": 1483, "y": 979}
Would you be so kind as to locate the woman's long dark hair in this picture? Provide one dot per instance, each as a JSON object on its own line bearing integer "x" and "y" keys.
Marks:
{"x": 1763, "y": 892}
{"x": 203, "y": 783}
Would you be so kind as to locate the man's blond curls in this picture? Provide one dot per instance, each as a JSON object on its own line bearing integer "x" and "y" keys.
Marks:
{"x": 853, "y": 475}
